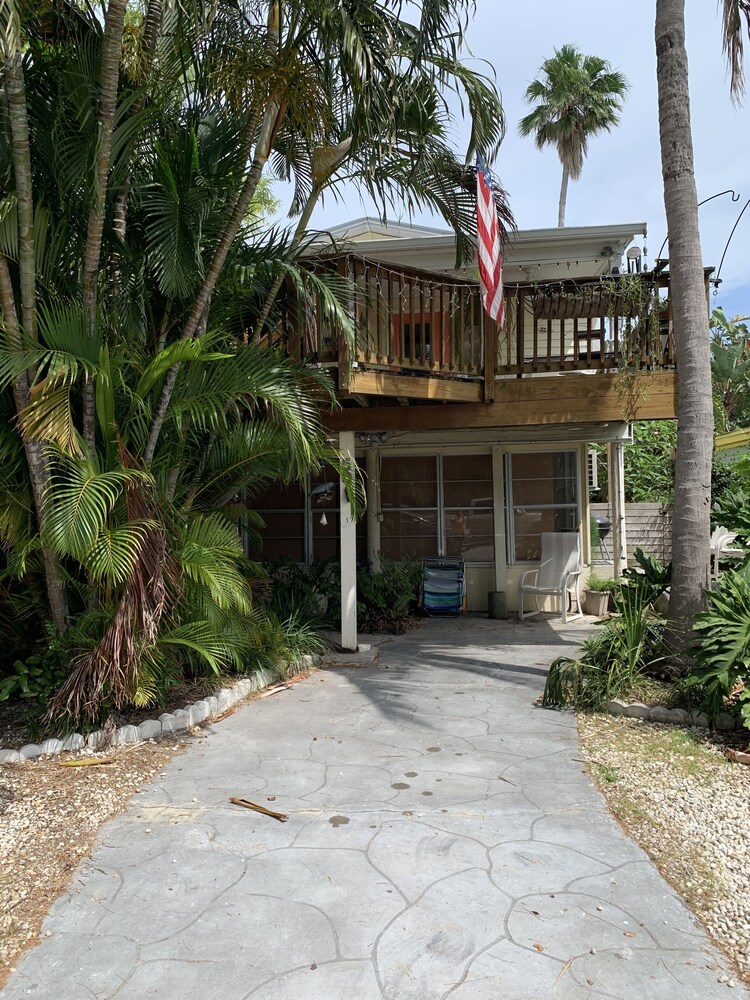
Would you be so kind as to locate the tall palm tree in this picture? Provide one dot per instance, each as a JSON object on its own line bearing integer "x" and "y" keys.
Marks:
{"x": 576, "y": 97}
{"x": 692, "y": 504}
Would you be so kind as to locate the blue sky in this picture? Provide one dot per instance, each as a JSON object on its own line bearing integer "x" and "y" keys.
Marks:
{"x": 621, "y": 179}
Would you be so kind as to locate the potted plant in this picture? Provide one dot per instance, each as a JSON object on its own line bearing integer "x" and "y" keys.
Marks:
{"x": 596, "y": 596}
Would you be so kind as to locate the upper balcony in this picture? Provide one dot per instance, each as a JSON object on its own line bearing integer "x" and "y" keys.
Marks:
{"x": 419, "y": 335}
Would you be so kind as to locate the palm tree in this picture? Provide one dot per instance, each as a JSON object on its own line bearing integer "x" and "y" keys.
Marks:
{"x": 576, "y": 98}
{"x": 130, "y": 268}
{"x": 695, "y": 419}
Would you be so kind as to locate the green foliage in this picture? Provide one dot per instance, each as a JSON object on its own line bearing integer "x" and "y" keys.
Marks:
{"x": 732, "y": 511}
{"x": 146, "y": 512}
{"x": 722, "y": 646}
{"x": 651, "y": 578}
{"x": 649, "y": 463}
{"x": 297, "y": 591}
{"x": 577, "y": 97}
{"x": 39, "y": 675}
{"x": 386, "y": 600}
{"x": 601, "y": 584}
{"x": 612, "y": 659}
{"x": 730, "y": 371}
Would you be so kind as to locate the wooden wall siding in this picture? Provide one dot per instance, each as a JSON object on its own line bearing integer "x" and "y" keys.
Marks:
{"x": 409, "y": 323}
{"x": 648, "y": 526}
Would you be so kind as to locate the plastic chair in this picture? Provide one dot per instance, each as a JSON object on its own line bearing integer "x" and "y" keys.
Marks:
{"x": 558, "y": 574}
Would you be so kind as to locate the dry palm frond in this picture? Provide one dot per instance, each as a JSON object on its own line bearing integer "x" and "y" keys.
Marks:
{"x": 110, "y": 670}
{"x": 733, "y": 43}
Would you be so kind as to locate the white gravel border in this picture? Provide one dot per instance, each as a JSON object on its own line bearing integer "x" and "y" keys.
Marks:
{"x": 169, "y": 722}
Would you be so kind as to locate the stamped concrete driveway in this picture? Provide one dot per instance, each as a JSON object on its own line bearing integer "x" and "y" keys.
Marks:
{"x": 443, "y": 841}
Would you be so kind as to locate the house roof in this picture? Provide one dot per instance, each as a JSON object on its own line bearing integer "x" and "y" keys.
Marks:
{"x": 532, "y": 255}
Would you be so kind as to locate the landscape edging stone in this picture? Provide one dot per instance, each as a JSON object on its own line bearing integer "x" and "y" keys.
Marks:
{"x": 181, "y": 720}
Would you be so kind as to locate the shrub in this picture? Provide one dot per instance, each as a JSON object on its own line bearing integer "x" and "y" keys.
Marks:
{"x": 36, "y": 677}
{"x": 722, "y": 648}
{"x": 611, "y": 659}
{"x": 386, "y": 600}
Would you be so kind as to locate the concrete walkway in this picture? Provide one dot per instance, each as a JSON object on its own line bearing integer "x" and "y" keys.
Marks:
{"x": 443, "y": 841}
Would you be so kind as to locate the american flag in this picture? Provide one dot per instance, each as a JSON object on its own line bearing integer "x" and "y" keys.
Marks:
{"x": 488, "y": 246}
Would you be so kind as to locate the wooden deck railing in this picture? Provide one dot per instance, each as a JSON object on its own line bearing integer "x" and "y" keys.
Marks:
{"x": 618, "y": 322}
{"x": 413, "y": 323}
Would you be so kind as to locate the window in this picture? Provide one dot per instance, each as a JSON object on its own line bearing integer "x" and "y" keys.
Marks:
{"x": 284, "y": 514}
{"x": 542, "y": 492}
{"x": 303, "y": 525}
{"x": 409, "y": 506}
{"x": 435, "y": 505}
{"x": 469, "y": 508}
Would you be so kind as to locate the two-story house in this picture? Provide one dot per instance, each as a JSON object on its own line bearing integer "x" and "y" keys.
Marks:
{"x": 475, "y": 439}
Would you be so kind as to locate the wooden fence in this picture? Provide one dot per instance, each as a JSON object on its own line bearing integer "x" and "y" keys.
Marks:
{"x": 648, "y": 527}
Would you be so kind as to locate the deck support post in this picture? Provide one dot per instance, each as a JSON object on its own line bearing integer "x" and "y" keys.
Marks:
{"x": 373, "y": 509}
{"x": 616, "y": 487}
{"x": 498, "y": 492}
{"x": 348, "y": 530}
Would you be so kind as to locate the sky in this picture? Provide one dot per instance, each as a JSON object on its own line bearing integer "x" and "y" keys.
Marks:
{"x": 621, "y": 180}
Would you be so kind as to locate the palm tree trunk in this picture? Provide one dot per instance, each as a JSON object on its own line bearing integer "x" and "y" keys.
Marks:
{"x": 35, "y": 458}
{"x": 15, "y": 92}
{"x": 151, "y": 26}
{"x": 692, "y": 506}
{"x": 271, "y": 121}
{"x": 15, "y": 98}
{"x": 109, "y": 79}
{"x": 563, "y": 197}
{"x": 299, "y": 233}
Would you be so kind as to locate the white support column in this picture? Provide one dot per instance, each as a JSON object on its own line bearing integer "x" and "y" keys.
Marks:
{"x": 348, "y": 554}
{"x": 616, "y": 486}
{"x": 498, "y": 492}
{"x": 373, "y": 508}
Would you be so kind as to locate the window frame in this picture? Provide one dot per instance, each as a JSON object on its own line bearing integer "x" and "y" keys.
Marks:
{"x": 510, "y": 507}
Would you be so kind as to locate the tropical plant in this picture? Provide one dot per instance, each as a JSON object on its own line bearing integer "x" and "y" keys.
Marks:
{"x": 732, "y": 511}
{"x": 576, "y": 98}
{"x": 387, "y": 597}
{"x": 722, "y": 646}
{"x": 611, "y": 660}
{"x": 651, "y": 577}
{"x": 138, "y": 419}
{"x": 730, "y": 370}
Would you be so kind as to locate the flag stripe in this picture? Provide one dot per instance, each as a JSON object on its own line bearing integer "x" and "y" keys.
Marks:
{"x": 488, "y": 248}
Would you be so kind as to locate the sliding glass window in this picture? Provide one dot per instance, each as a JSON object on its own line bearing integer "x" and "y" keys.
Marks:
{"x": 542, "y": 491}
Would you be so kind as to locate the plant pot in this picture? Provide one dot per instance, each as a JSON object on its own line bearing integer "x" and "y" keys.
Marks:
{"x": 596, "y": 602}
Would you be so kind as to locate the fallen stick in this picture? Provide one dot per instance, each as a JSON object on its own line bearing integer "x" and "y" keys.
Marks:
{"x": 274, "y": 690}
{"x": 87, "y": 762}
{"x": 281, "y": 817}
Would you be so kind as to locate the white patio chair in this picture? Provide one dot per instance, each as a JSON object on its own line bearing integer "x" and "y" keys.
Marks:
{"x": 720, "y": 542}
{"x": 558, "y": 574}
